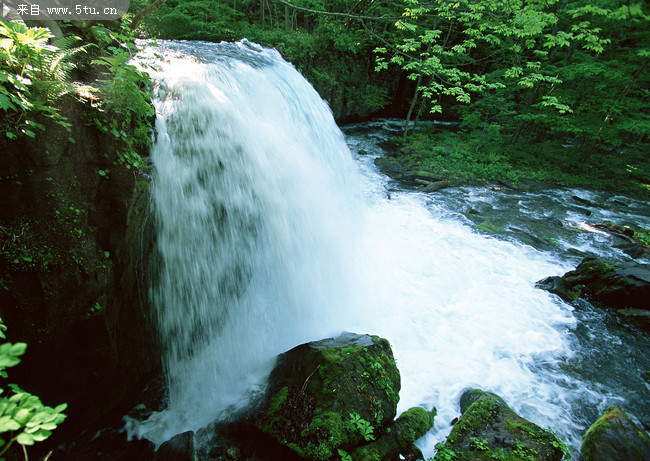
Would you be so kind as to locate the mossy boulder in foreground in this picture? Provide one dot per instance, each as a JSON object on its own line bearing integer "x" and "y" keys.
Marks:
{"x": 337, "y": 394}
{"x": 615, "y": 437}
{"x": 488, "y": 429}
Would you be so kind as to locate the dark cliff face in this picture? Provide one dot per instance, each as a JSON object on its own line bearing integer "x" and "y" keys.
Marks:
{"x": 74, "y": 245}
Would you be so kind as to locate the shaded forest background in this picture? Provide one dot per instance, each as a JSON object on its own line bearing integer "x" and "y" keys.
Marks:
{"x": 552, "y": 91}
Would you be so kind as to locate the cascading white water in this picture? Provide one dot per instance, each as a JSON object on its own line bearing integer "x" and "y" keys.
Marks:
{"x": 254, "y": 200}
{"x": 270, "y": 236}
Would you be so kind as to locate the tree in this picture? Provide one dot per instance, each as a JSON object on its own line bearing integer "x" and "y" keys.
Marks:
{"x": 521, "y": 63}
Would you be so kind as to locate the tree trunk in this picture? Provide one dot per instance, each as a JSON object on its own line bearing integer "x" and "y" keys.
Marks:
{"x": 144, "y": 12}
{"x": 287, "y": 19}
{"x": 412, "y": 106}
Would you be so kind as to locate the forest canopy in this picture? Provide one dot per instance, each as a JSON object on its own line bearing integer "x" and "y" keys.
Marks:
{"x": 524, "y": 78}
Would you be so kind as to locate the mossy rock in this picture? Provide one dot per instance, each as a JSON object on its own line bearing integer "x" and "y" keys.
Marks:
{"x": 624, "y": 287}
{"x": 489, "y": 429}
{"x": 332, "y": 394}
{"x": 410, "y": 426}
{"x": 618, "y": 286}
{"x": 615, "y": 437}
{"x": 558, "y": 286}
{"x": 490, "y": 228}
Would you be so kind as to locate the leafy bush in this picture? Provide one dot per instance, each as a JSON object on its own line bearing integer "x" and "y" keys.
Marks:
{"x": 32, "y": 76}
{"x": 23, "y": 418}
{"x": 125, "y": 99}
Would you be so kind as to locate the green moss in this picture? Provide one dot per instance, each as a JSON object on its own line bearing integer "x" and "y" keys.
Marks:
{"x": 330, "y": 398}
{"x": 489, "y": 429}
{"x": 479, "y": 413}
{"x": 329, "y": 432}
{"x": 615, "y": 432}
{"x": 413, "y": 424}
{"x": 470, "y": 156}
{"x": 490, "y": 227}
{"x": 278, "y": 399}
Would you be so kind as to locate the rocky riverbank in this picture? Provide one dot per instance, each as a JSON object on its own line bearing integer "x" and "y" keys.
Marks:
{"x": 336, "y": 399}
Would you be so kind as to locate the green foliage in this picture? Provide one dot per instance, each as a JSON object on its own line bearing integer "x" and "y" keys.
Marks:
{"x": 641, "y": 234}
{"x": 23, "y": 418}
{"x": 484, "y": 155}
{"x": 522, "y": 73}
{"x": 125, "y": 101}
{"x": 345, "y": 456}
{"x": 480, "y": 444}
{"x": 534, "y": 70}
{"x": 193, "y": 20}
{"x": 361, "y": 426}
{"x": 32, "y": 77}
{"x": 557, "y": 442}
{"x": 444, "y": 453}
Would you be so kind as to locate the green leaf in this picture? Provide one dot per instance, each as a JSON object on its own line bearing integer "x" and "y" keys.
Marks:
{"x": 7, "y": 423}
{"x": 17, "y": 349}
{"x": 25, "y": 439}
{"x": 5, "y": 103}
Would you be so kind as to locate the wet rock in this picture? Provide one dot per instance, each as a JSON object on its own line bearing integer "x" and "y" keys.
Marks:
{"x": 333, "y": 394}
{"x": 436, "y": 186}
{"x": 639, "y": 318}
{"x": 582, "y": 211}
{"x": 390, "y": 167}
{"x": 489, "y": 429}
{"x": 615, "y": 229}
{"x": 426, "y": 176}
{"x": 178, "y": 448}
{"x": 109, "y": 444}
{"x": 480, "y": 208}
{"x": 410, "y": 426}
{"x": 615, "y": 437}
{"x": 632, "y": 249}
{"x": 71, "y": 283}
{"x": 531, "y": 239}
{"x": 623, "y": 239}
{"x": 110, "y": 438}
{"x": 584, "y": 202}
{"x": 557, "y": 285}
{"x": 620, "y": 286}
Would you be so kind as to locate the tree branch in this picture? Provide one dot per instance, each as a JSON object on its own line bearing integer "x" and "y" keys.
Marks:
{"x": 145, "y": 12}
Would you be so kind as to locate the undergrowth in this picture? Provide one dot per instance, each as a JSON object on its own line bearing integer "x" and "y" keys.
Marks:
{"x": 477, "y": 156}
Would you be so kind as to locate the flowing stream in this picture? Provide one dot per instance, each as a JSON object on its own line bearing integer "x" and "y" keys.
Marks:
{"x": 271, "y": 233}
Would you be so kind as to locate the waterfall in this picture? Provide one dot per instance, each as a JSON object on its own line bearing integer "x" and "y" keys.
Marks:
{"x": 255, "y": 199}
{"x": 270, "y": 234}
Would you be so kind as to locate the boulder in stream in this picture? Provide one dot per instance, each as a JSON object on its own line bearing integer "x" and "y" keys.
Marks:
{"x": 624, "y": 286}
{"x": 615, "y": 437}
{"x": 338, "y": 394}
{"x": 489, "y": 429}
{"x": 178, "y": 448}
